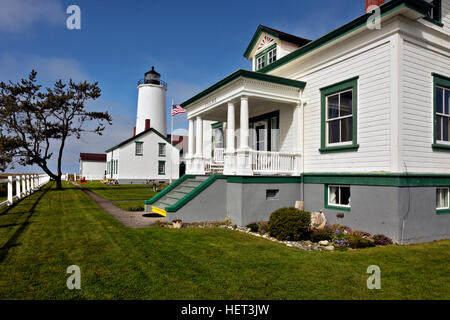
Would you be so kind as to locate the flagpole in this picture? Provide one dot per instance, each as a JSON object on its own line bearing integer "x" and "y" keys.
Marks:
{"x": 171, "y": 143}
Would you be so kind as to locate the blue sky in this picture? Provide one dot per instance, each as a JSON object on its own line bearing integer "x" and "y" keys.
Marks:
{"x": 192, "y": 44}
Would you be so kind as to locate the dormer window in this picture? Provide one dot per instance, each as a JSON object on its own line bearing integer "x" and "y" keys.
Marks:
{"x": 266, "y": 57}
{"x": 260, "y": 62}
{"x": 272, "y": 56}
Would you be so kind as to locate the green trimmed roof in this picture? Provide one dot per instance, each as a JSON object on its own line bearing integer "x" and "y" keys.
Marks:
{"x": 419, "y": 6}
{"x": 137, "y": 136}
{"x": 276, "y": 33}
{"x": 245, "y": 74}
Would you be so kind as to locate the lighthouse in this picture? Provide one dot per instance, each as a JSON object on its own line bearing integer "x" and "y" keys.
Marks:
{"x": 151, "y": 109}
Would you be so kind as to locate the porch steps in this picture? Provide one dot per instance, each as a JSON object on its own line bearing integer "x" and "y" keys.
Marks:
{"x": 177, "y": 193}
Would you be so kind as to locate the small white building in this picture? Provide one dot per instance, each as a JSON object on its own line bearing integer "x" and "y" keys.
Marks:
{"x": 92, "y": 166}
{"x": 149, "y": 154}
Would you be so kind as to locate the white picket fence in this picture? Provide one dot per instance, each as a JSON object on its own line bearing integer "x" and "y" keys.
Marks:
{"x": 25, "y": 185}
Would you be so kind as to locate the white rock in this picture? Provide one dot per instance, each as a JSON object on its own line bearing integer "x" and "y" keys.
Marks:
{"x": 324, "y": 243}
{"x": 329, "y": 248}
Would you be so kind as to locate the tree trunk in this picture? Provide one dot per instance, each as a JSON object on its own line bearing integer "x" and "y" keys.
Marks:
{"x": 58, "y": 183}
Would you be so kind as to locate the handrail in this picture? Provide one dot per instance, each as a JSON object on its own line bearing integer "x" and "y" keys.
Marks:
{"x": 162, "y": 193}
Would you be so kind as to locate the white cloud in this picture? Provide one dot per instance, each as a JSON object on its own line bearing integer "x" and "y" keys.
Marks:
{"x": 20, "y": 15}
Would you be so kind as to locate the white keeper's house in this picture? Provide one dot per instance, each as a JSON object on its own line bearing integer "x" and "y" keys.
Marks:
{"x": 148, "y": 155}
{"x": 355, "y": 123}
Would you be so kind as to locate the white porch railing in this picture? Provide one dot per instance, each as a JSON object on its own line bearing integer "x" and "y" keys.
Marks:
{"x": 24, "y": 186}
{"x": 265, "y": 162}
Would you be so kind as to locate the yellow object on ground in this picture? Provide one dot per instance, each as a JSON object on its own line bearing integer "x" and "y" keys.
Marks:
{"x": 159, "y": 211}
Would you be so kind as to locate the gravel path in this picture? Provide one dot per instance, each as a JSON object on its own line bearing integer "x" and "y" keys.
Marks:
{"x": 127, "y": 218}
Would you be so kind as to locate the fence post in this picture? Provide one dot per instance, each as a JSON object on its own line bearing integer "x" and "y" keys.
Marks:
{"x": 27, "y": 179}
{"x": 18, "y": 193}
{"x": 10, "y": 190}
{"x": 24, "y": 189}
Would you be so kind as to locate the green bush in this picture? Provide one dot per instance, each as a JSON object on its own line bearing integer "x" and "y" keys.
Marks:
{"x": 356, "y": 241}
{"x": 253, "y": 227}
{"x": 289, "y": 224}
{"x": 320, "y": 235}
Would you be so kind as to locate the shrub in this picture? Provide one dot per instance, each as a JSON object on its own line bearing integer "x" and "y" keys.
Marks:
{"x": 320, "y": 235}
{"x": 382, "y": 240}
{"x": 357, "y": 241}
{"x": 263, "y": 227}
{"x": 289, "y": 224}
{"x": 253, "y": 227}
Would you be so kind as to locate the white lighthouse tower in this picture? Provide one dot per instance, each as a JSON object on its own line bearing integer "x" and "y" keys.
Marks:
{"x": 151, "y": 110}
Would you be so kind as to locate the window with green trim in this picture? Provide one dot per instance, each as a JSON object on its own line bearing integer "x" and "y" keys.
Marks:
{"x": 161, "y": 167}
{"x": 441, "y": 102}
{"x": 339, "y": 117}
{"x": 338, "y": 197}
{"x": 442, "y": 200}
{"x": 139, "y": 148}
{"x": 266, "y": 57}
{"x": 436, "y": 11}
{"x": 162, "y": 149}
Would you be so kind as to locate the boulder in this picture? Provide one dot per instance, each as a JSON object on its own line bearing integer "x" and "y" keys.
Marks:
{"x": 318, "y": 220}
{"x": 324, "y": 243}
{"x": 329, "y": 248}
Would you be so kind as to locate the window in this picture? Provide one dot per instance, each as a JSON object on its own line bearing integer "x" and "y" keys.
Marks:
{"x": 441, "y": 104}
{"x": 139, "y": 148}
{"x": 264, "y": 132}
{"x": 339, "y": 117}
{"x": 274, "y": 134}
{"x": 435, "y": 13}
{"x": 442, "y": 195}
{"x": 337, "y": 197}
{"x": 266, "y": 57}
{"x": 161, "y": 167}
{"x": 260, "y": 62}
{"x": 272, "y": 194}
{"x": 162, "y": 149}
{"x": 272, "y": 56}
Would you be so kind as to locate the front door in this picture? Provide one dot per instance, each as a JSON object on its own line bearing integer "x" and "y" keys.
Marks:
{"x": 260, "y": 136}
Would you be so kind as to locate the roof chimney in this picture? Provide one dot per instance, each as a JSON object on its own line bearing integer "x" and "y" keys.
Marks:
{"x": 147, "y": 124}
{"x": 373, "y": 3}
{"x": 134, "y": 131}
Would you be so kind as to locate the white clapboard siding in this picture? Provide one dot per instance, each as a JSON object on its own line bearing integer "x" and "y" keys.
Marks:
{"x": 373, "y": 68}
{"x": 417, "y": 119}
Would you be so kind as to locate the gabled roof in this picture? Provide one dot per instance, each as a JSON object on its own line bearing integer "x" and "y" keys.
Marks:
{"x": 100, "y": 157}
{"x": 276, "y": 33}
{"x": 419, "y": 6}
{"x": 245, "y": 74}
{"x": 137, "y": 136}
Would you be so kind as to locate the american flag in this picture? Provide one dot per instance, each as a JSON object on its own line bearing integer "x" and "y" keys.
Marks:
{"x": 177, "y": 109}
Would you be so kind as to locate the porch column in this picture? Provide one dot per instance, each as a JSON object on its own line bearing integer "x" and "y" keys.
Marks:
{"x": 230, "y": 158}
{"x": 199, "y": 166}
{"x": 244, "y": 124}
{"x": 191, "y": 144}
{"x": 243, "y": 155}
{"x": 18, "y": 192}
{"x": 298, "y": 140}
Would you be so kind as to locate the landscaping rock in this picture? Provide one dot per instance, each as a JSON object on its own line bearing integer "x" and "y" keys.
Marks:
{"x": 324, "y": 243}
{"x": 329, "y": 248}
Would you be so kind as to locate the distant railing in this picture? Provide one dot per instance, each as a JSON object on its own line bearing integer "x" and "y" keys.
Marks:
{"x": 218, "y": 155}
{"x": 153, "y": 81}
{"x": 24, "y": 186}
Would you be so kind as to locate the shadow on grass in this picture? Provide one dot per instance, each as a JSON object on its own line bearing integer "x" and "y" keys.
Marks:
{"x": 11, "y": 243}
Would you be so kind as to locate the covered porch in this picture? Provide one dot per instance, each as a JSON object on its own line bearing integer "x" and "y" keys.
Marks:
{"x": 255, "y": 122}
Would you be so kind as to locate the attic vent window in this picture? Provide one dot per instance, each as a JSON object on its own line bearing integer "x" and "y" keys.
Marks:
{"x": 435, "y": 13}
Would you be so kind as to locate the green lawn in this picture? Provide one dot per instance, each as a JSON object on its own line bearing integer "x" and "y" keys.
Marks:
{"x": 121, "y": 192}
{"x": 129, "y": 205}
{"x": 50, "y": 230}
